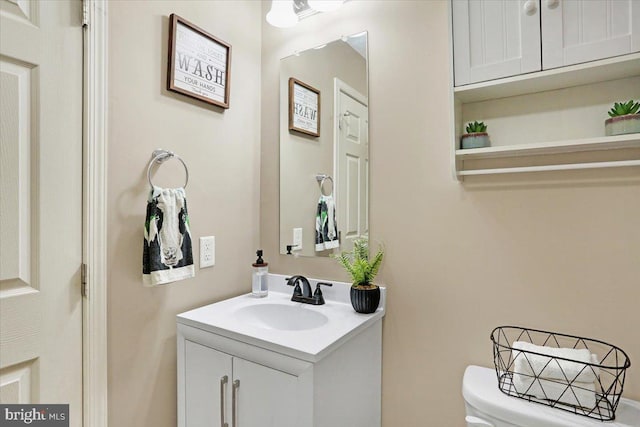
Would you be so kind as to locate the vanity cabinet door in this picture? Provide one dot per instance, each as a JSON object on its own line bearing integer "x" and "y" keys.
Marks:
{"x": 204, "y": 373}
{"x": 576, "y": 31}
{"x": 265, "y": 397}
{"x": 495, "y": 38}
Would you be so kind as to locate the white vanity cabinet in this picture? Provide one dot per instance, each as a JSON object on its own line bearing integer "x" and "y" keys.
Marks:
{"x": 500, "y": 38}
{"x": 232, "y": 373}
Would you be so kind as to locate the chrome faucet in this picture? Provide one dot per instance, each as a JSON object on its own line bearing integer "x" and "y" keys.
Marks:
{"x": 304, "y": 295}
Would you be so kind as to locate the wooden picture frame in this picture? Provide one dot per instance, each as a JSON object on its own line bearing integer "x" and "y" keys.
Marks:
{"x": 304, "y": 108}
{"x": 199, "y": 63}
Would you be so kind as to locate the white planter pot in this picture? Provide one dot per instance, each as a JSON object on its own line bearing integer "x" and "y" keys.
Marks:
{"x": 622, "y": 125}
{"x": 475, "y": 140}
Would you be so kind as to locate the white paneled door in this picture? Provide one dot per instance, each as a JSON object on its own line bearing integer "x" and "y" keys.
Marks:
{"x": 495, "y": 38}
{"x": 575, "y": 31}
{"x": 352, "y": 164}
{"x": 41, "y": 203}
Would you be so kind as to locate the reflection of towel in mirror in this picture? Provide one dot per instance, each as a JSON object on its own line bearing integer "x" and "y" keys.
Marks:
{"x": 167, "y": 254}
{"x": 326, "y": 227}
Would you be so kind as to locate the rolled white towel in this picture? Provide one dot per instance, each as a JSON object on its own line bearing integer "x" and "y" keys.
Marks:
{"x": 579, "y": 394}
{"x": 549, "y": 367}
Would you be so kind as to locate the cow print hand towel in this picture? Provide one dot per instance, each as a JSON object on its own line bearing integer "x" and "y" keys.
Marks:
{"x": 167, "y": 255}
{"x": 326, "y": 227}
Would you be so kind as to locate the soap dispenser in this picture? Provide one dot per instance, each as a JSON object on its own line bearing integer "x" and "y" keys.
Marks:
{"x": 259, "y": 286}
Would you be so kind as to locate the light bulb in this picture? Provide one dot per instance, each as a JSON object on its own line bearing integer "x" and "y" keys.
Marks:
{"x": 325, "y": 5}
{"x": 281, "y": 14}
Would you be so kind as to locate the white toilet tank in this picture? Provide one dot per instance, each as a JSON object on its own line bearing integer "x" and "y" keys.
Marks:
{"x": 487, "y": 406}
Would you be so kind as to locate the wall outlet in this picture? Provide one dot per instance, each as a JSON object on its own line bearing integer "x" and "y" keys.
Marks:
{"x": 297, "y": 239}
{"x": 207, "y": 251}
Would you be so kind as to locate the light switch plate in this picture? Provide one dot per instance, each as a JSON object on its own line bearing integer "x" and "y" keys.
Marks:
{"x": 297, "y": 239}
{"x": 207, "y": 251}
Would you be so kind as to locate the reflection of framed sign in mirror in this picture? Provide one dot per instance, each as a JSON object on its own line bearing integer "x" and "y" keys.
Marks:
{"x": 199, "y": 63}
{"x": 304, "y": 108}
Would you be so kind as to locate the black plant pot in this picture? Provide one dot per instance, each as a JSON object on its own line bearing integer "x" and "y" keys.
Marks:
{"x": 365, "y": 300}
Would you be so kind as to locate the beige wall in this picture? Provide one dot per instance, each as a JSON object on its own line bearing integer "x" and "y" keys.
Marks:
{"x": 221, "y": 148}
{"x": 559, "y": 250}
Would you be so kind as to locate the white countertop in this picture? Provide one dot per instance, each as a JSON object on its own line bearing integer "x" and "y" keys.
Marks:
{"x": 310, "y": 344}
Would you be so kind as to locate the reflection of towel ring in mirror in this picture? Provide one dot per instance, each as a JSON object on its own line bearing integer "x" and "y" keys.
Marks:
{"x": 160, "y": 156}
{"x": 321, "y": 178}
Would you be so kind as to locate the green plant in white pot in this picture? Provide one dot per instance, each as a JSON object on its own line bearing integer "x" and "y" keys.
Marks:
{"x": 623, "y": 118}
{"x": 365, "y": 295}
{"x": 476, "y": 136}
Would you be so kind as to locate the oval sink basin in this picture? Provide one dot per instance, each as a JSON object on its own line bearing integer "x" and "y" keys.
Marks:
{"x": 281, "y": 317}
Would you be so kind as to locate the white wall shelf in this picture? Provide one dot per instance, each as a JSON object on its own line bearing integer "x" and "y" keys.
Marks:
{"x": 547, "y": 168}
{"x": 555, "y": 147}
{"x": 521, "y": 99}
{"x": 615, "y": 68}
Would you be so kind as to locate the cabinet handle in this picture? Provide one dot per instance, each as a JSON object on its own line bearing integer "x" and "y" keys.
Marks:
{"x": 530, "y": 7}
{"x": 223, "y": 386}
{"x": 234, "y": 403}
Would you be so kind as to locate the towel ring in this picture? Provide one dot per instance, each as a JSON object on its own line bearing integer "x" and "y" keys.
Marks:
{"x": 160, "y": 156}
{"x": 321, "y": 178}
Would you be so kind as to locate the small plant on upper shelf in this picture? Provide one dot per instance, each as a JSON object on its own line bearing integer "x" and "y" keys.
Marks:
{"x": 623, "y": 118}
{"x": 476, "y": 127}
{"x": 476, "y": 136}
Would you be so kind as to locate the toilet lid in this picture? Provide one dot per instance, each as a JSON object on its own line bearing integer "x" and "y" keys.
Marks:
{"x": 480, "y": 390}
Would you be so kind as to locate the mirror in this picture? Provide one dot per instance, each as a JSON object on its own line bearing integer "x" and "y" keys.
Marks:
{"x": 324, "y": 148}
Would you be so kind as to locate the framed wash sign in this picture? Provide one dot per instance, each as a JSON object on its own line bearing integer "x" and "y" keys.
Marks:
{"x": 199, "y": 63}
{"x": 304, "y": 108}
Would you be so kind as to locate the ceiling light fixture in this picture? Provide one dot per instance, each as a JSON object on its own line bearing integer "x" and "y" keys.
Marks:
{"x": 287, "y": 13}
{"x": 281, "y": 14}
{"x": 325, "y": 5}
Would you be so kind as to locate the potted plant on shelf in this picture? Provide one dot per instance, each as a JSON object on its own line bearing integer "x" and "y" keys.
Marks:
{"x": 365, "y": 296}
{"x": 476, "y": 136}
{"x": 623, "y": 118}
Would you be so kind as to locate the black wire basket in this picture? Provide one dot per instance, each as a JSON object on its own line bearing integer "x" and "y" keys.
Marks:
{"x": 589, "y": 385}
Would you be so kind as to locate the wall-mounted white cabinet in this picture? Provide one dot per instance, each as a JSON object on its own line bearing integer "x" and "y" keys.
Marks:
{"x": 500, "y": 38}
{"x": 545, "y": 106}
{"x": 494, "y": 39}
{"x": 576, "y": 31}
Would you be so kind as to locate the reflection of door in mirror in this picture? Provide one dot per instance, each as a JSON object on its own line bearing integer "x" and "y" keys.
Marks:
{"x": 352, "y": 163}
{"x": 303, "y": 157}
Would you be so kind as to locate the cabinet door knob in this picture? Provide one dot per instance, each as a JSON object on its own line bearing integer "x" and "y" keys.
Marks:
{"x": 552, "y": 4}
{"x": 530, "y": 7}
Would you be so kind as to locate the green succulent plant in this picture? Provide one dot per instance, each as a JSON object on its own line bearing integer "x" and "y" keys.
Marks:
{"x": 624, "y": 108}
{"x": 358, "y": 265}
{"x": 476, "y": 127}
